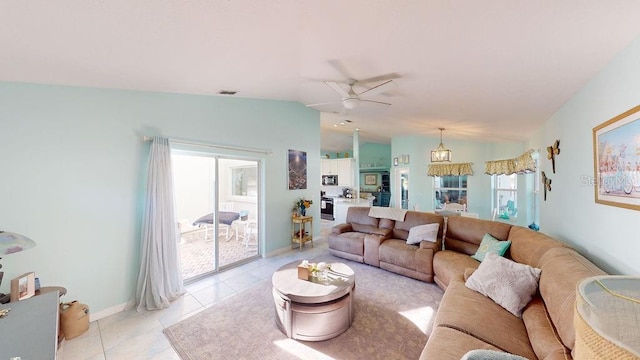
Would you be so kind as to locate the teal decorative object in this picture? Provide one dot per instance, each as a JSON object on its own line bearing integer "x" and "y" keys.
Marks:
{"x": 491, "y": 244}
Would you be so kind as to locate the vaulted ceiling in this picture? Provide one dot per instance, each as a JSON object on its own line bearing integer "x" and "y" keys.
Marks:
{"x": 491, "y": 69}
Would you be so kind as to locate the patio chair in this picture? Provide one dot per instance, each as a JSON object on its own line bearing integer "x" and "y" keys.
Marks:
{"x": 224, "y": 228}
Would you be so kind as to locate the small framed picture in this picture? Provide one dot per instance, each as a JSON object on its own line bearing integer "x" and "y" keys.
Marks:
{"x": 371, "y": 179}
{"x": 405, "y": 159}
{"x": 23, "y": 287}
{"x": 395, "y": 161}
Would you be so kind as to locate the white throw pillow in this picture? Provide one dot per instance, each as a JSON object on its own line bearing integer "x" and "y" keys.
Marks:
{"x": 427, "y": 232}
{"x": 508, "y": 283}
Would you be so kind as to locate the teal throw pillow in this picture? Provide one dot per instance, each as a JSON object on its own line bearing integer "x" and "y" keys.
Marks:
{"x": 491, "y": 244}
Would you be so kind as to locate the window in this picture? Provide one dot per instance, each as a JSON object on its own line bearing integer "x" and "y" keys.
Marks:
{"x": 450, "y": 189}
{"x": 505, "y": 195}
{"x": 245, "y": 181}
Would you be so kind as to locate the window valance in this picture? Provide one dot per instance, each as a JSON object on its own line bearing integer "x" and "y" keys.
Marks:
{"x": 523, "y": 164}
{"x": 450, "y": 169}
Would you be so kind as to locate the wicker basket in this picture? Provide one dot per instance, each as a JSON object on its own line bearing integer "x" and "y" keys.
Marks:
{"x": 607, "y": 318}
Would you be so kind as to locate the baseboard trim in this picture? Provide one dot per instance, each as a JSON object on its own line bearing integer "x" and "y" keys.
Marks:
{"x": 112, "y": 310}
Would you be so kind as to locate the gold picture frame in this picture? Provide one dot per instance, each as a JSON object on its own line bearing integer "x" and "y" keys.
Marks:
{"x": 371, "y": 179}
{"x": 23, "y": 287}
{"x": 616, "y": 160}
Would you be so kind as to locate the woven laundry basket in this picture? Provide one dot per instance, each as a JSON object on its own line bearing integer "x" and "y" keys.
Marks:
{"x": 607, "y": 318}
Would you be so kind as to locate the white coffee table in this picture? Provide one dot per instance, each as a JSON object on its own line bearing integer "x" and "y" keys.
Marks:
{"x": 313, "y": 310}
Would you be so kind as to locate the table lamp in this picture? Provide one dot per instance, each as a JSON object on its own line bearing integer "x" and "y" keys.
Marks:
{"x": 607, "y": 318}
{"x": 12, "y": 243}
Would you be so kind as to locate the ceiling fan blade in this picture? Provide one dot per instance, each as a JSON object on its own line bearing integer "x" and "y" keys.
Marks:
{"x": 324, "y": 103}
{"x": 385, "y": 77}
{"x": 385, "y": 86}
{"x": 335, "y": 86}
{"x": 375, "y": 102}
{"x": 339, "y": 66}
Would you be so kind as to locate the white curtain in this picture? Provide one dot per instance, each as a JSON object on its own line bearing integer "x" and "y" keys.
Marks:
{"x": 160, "y": 279}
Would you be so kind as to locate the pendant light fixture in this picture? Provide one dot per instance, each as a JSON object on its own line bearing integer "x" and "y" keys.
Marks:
{"x": 440, "y": 154}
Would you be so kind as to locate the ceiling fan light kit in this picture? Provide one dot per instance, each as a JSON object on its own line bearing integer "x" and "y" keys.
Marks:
{"x": 350, "y": 103}
{"x": 441, "y": 154}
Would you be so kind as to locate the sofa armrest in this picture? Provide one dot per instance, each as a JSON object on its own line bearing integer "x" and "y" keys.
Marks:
{"x": 372, "y": 249}
{"x": 342, "y": 228}
{"x": 467, "y": 273}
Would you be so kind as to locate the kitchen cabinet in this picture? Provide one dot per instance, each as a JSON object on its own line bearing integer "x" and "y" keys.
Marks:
{"x": 341, "y": 167}
{"x": 329, "y": 167}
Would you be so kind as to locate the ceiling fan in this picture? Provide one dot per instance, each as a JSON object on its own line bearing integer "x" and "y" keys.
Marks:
{"x": 350, "y": 99}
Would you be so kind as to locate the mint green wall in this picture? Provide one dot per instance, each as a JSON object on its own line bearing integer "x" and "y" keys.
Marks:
{"x": 375, "y": 156}
{"x": 370, "y": 153}
{"x": 73, "y": 169}
{"x": 479, "y": 185}
{"x": 605, "y": 234}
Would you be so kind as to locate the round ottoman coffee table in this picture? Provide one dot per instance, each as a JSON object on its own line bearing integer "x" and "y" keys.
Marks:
{"x": 315, "y": 309}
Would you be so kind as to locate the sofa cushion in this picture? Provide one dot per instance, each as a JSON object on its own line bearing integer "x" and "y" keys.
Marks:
{"x": 562, "y": 270}
{"x": 475, "y": 314}
{"x": 370, "y": 229}
{"x": 464, "y": 234}
{"x": 491, "y": 244}
{"x": 426, "y": 232}
{"x": 398, "y": 252}
{"x": 415, "y": 218}
{"x": 528, "y": 246}
{"x": 360, "y": 215}
{"x": 349, "y": 242}
{"x": 545, "y": 340}
{"x": 450, "y": 344}
{"x": 449, "y": 265}
{"x": 509, "y": 284}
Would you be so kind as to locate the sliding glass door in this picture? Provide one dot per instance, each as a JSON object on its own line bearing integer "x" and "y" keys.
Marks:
{"x": 217, "y": 211}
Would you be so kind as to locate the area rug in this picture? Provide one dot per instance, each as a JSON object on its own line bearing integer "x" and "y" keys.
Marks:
{"x": 393, "y": 318}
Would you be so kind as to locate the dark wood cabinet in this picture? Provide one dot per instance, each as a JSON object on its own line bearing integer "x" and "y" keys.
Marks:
{"x": 381, "y": 198}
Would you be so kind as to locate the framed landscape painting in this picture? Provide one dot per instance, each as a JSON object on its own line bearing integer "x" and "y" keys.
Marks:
{"x": 616, "y": 157}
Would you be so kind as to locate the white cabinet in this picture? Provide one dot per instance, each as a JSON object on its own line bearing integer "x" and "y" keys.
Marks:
{"x": 345, "y": 172}
{"x": 341, "y": 167}
{"x": 329, "y": 166}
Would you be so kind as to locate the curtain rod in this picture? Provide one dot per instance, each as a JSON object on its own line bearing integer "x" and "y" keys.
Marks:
{"x": 213, "y": 146}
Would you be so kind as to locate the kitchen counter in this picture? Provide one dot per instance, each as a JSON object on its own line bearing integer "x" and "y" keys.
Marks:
{"x": 342, "y": 205}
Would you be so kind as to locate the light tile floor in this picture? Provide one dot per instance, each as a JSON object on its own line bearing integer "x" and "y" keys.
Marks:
{"x": 133, "y": 335}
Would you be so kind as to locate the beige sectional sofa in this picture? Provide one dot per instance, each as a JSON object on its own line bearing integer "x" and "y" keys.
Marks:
{"x": 466, "y": 319}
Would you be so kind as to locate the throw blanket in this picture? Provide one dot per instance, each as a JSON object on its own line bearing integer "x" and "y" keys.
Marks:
{"x": 387, "y": 213}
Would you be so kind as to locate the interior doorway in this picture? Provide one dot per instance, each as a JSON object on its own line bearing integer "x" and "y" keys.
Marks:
{"x": 402, "y": 188}
{"x": 217, "y": 210}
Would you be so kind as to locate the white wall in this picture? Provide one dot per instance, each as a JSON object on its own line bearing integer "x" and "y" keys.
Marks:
{"x": 607, "y": 235}
{"x": 74, "y": 168}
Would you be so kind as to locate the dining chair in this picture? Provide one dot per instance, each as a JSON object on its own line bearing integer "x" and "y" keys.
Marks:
{"x": 455, "y": 207}
{"x": 494, "y": 214}
{"x": 470, "y": 215}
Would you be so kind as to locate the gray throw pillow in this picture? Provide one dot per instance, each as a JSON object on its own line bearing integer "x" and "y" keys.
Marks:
{"x": 508, "y": 283}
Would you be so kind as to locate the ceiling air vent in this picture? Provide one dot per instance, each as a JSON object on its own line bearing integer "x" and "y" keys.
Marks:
{"x": 227, "y": 92}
